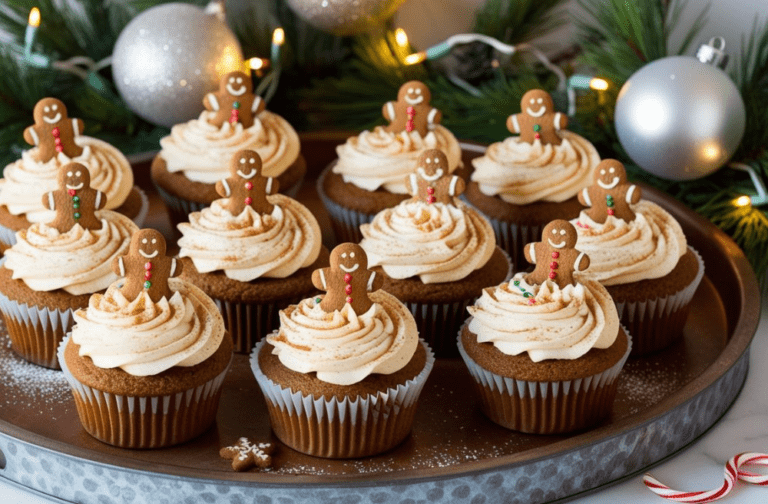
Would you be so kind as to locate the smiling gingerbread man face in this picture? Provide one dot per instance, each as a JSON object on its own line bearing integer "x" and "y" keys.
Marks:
{"x": 432, "y": 164}
{"x": 75, "y": 177}
{"x": 146, "y": 268}
{"x": 411, "y": 111}
{"x": 236, "y": 84}
{"x": 609, "y": 174}
{"x": 414, "y": 93}
{"x": 53, "y": 131}
{"x": 148, "y": 243}
{"x": 560, "y": 234}
{"x": 234, "y": 102}
{"x": 432, "y": 183}
{"x": 245, "y": 164}
{"x": 348, "y": 280}
{"x": 555, "y": 256}
{"x": 246, "y": 186}
{"x": 536, "y": 103}
{"x": 50, "y": 111}
{"x": 349, "y": 258}
{"x": 610, "y": 194}
{"x": 538, "y": 119}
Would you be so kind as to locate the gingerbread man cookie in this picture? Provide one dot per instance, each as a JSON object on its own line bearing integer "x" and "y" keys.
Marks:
{"x": 610, "y": 194}
{"x": 555, "y": 256}
{"x": 431, "y": 183}
{"x": 146, "y": 267}
{"x": 74, "y": 201}
{"x": 411, "y": 111}
{"x": 537, "y": 119}
{"x": 246, "y": 186}
{"x": 245, "y": 454}
{"x": 234, "y": 102}
{"x": 53, "y": 131}
{"x": 348, "y": 280}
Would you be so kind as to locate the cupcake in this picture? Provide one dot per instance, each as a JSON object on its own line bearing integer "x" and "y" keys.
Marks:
{"x": 639, "y": 252}
{"x": 252, "y": 251}
{"x": 54, "y": 267}
{"x": 526, "y": 181}
{"x": 545, "y": 349}
{"x": 146, "y": 360}
{"x": 195, "y": 155}
{"x": 57, "y": 141}
{"x": 342, "y": 375}
{"x": 372, "y": 167}
{"x": 436, "y": 253}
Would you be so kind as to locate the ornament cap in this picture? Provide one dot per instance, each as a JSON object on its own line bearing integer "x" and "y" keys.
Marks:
{"x": 713, "y": 53}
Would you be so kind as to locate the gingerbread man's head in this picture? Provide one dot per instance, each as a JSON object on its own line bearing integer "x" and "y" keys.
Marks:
{"x": 236, "y": 84}
{"x": 50, "y": 111}
{"x": 432, "y": 164}
{"x": 536, "y": 103}
{"x": 559, "y": 234}
{"x": 74, "y": 176}
{"x": 414, "y": 93}
{"x": 245, "y": 164}
{"x": 349, "y": 257}
{"x": 609, "y": 174}
{"x": 148, "y": 243}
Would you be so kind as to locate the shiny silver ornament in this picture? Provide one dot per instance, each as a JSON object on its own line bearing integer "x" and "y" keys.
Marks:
{"x": 681, "y": 118}
{"x": 344, "y": 17}
{"x": 168, "y": 57}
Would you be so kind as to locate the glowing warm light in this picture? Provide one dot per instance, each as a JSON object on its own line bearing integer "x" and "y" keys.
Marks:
{"x": 278, "y": 36}
{"x": 742, "y": 201}
{"x": 401, "y": 37}
{"x": 34, "y": 17}
{"x": 598, "y": 84}
{"x": 711, "y": 152}
{"x": 257, "y": 63}
{"x": 415, "y": 58}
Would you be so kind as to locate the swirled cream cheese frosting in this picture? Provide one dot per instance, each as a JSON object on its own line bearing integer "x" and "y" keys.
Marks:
{"x": 198, "y": 148}
{"x": 343, "y": 347}
{"x": 560, "y": 324}
{"x": 436, "y": 242}
{"x": 622, "y": 252}
{"x": 26, "y": 180}
{"x": 250, "y": 245}
{"x": 144, "y": 338}
{"x": 78, "y": 261}
{"x": 521, "y": 173}
{"x": 379, "y": 158}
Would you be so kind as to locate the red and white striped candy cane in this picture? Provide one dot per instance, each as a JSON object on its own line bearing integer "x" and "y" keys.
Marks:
{"x": 743, "y": 459}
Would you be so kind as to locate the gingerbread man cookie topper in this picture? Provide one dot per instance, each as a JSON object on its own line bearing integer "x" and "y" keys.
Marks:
{"x": 246, "y": 186}
{"x": 538, "y": 119}
{"x": 246, "y": 454}
{"x": 432, "y": 183}
{"x": 146, "y": 268}
{"x": 411, "y": 111}
{"x": 234, "y": 102}
{"x": 610, "y": 194}
{"x": 53, "y": 131}
{"x": 348, "y": 280}
{"x": 555, "y": 256}
{"x": 74, "y": 201}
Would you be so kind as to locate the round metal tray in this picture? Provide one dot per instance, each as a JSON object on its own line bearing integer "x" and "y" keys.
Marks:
{"x": 454, "y": 453}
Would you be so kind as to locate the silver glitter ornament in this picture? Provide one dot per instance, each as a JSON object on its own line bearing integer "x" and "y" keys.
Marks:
{"x": 168, "y": 57}
{"x": 344, "y": 17}
{"x": 681, "y": 118}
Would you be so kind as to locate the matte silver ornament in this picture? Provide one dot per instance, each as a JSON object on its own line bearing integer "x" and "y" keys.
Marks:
{"x": 168, "y": 57}
{"x": 679, "y": 118}
{"x": 344, "y": 17}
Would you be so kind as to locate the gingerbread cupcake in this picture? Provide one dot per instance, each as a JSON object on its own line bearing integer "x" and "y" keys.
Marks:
{"x": 639, "y": 252}
{"x": 196, "y": 154}
{"x": 353, "y": 354}
{"x": 525, "y": 181}
{"x": 57, "y": 140}
{"x": 146, "y": 360}
{"x": 436, "y": 253}
{"x": 54, "y": 267}
{"x": 545, "y": 349}
{"x": 372, "y": 167}
{"x": 253, "y": 251}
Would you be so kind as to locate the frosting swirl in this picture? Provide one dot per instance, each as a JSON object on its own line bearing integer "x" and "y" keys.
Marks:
{"x": 521, "y": 173}
{"x": 437, "y": 242}
{"x": 343, "y": 347}
{"x": 622, "y": 252}
{"x": 145, "y": 338}
{"x": 561, "y": 324}
{"x": 26, "y": 180}
{"x": 379, "y": 158}
{"x": 202, "y": 151}
{"x": 249, "y": 245}
{"x": 78, "y": 261}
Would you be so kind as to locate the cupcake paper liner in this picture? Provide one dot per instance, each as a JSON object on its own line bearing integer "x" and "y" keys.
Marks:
{"x": 145, "y": 422}
{"x": 657, "y": 323}
{"x": 347, "y": 428}
{"x": 344, "y": 221}
{"x": 7, "y": 238}
{"x": 545, "y": 407}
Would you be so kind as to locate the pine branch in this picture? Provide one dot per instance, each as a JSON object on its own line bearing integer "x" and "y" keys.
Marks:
{"x": 517, "y": 21}
{"x": 750, "y": 73}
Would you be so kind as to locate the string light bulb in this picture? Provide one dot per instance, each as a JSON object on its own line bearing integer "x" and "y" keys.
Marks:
{"x": 34, "y": 17}
{"x": 257, "y": 63}
{"x": 401, "y": 37}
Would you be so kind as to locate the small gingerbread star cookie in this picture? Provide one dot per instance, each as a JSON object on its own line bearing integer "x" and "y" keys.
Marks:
{"x": 53, "y": 131}
{"x": 246, "y": 186}
{"x": 610, "y": 194}
{"x": 432, "y": 183}
{"x": 74, "y": 201}
{"x": 555, "y": 256}
{"x": 234, "y": 102}
{"x": 411, "y": 111}
{"x": 538, "y": 119}
{"x": 146, "y": 267}
{"x": 348, "y": 280}
{"x": 246, "y": 454}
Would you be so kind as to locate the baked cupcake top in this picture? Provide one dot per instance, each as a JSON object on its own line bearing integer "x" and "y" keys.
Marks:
{"x": 26, "y": 180}
{"x": 628, "y": 239}
{"x": 385, "y": 156}
{"x": 544, "y": 163}
{"x": 433, "y": 235}
{"x": 251, "y": 233}
{"x": 349, "y": 333}
{"x": 198, "y": 147}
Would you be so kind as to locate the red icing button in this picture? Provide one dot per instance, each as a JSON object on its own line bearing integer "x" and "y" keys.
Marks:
{"x": 610, "y": 211}
{"x": 348, "y": 289}
{"x": 147, "y": 275}
{"x": 555, "y": 254}
{"x": 347, "y": 278}
{"x": 349, "y": 299}
{"x": 553, "y": 265}
{"x": 552, "y": 274}
{"x": 430, "y": 190}
{"x": 248, "y": 186}
{"x": 57, "y": 141}
{"x": 536, "y": 136}
{"x": 431, "y": 199}
{"x": 410, "y": 111}
{"x": 147, "y": 265}
{"x": 55, "y": 132}
{"x": 59, "y": 148}
{"x": 248, "y": 200}
{"x": 71, "y": 192}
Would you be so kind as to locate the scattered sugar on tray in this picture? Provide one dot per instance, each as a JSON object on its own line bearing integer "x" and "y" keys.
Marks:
{"x": 28, "y": 384}
{"x": 645, "y": 387}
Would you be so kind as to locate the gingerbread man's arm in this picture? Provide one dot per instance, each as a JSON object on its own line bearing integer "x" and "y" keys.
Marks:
{"x": 456, "y": 187}
{"x": 100, "y": 201}
{"x": 633, "y": 194}
{"x": 434, "y": 117}
{"x": 222, "y": 188}
{"x": 273, "y": 186}
{"x": 77, "y": 126}
{"x": 210, "y": 102}
{"x": 118, "y": 266}
{"x": 388, "y": 111}
{"x": 530, "y": 252}
{"x": 375, "y": 282}
{"x": 49, "y": 201}
{"x": 581, "y": 263}
{"x": 560, "y": 121}
{"x": 176, "y": 268}
{"x": 411, "y": 182}
{"x": 585, "y": 198}
{"x": 258, "y": 105}
{"x": 512, "y": 124}
{"x": 319, "y": 279}
{"x": 31, "y": 136}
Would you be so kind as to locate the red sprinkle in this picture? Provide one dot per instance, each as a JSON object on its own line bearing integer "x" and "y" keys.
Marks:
{"x": 553, "y": 265}
{"x": 348, "y": 289}
{"x": 347, "y": 278}
{"x": 610, "y": 211}
{"x": 248, "y": 200}
{"x": 555, "y": 254}
{"x": 430, "y": 190}
{"x": 59, "y": 148}
{"x": 57, "y": 141}
{"x": 147, "y": 265}
{"x": 349, "y": 299}
{"x": 552, "y": 274}
{"x": 248, "y": 186}
{"x": 147, "y": 275}
{"x": 55, "y": 132}
{"x": 536, "y": 136}
{"x": 71, "y": 192}
{"x": 431, "y": 199}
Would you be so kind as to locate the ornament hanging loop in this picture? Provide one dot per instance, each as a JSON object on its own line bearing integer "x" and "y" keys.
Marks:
{"x": 713, "y": 53}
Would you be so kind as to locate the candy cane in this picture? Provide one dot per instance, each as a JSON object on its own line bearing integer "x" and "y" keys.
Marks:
{"x": 732, "y": 473}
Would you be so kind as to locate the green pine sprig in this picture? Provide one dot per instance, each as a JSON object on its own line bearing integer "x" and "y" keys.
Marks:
{"x": 517, "y": 21}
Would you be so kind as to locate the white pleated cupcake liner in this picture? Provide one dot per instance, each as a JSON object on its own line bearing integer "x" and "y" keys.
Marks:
{"x": 143, "y": 210}
{"x": 346, "y": 222}
{"x": 144, "y": 422}
{"x": 7, "y": 237}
